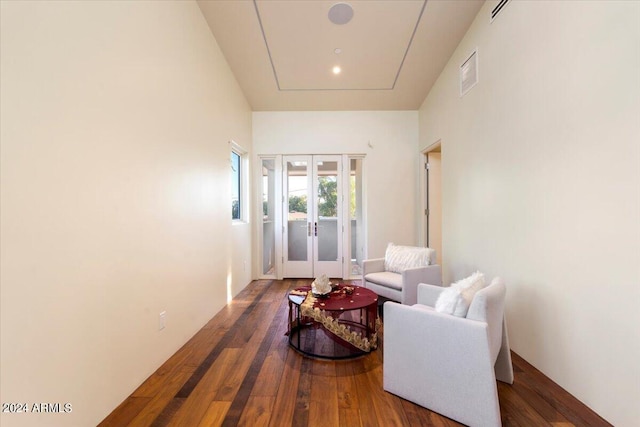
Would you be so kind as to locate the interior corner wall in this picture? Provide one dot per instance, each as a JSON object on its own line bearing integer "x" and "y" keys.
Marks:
{"x": 387, "y": 138}
{"x": 541, "y": 185}
{"x": 115, "y": 203}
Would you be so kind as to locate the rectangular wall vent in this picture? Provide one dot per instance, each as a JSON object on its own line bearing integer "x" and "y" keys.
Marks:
{"x": 469, "y": 73}
{"x": 496, "y": 10}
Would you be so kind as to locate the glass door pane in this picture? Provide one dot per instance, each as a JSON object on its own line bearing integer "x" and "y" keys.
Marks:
{"x": 356, "y": 216}
{"x": 298, "y": 226}
{"x": 327, "y": 203}
{"x": 268, "y": 216}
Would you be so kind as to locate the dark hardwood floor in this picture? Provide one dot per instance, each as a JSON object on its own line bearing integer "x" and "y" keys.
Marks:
{"x": 239, "y": 370}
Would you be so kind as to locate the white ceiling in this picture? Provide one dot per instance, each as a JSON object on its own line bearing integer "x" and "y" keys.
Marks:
{"x": 392, "y": 51}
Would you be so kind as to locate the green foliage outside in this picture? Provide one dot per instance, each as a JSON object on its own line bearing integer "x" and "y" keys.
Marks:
{"x": 352, "y": 198}
{"x": 235, "y": 209}
{"x": 298, "y": 204}
{"x": 327, "y": 199}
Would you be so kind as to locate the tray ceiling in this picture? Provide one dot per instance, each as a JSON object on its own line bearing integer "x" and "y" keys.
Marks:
{"x": 389, "y": 53}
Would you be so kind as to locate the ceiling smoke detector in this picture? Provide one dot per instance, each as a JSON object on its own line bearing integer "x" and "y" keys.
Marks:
{"x": 340, "y": 13}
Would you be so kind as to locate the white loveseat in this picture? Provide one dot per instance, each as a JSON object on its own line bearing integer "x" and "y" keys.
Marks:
{"x": 396, "y": 276}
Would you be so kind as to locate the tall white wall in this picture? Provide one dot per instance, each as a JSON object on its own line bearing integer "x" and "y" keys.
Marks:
{"x": 541, "y": 185}
{"x": 387, "y": 138}
{"x": 115, "y": 200}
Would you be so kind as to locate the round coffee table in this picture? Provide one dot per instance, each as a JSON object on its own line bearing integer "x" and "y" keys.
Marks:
{"x": 340, "y": 325}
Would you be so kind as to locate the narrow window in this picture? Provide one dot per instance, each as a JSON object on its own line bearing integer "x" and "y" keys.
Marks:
{"x": 236, "y": 186}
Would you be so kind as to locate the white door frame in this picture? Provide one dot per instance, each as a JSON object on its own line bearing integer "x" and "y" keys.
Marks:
{"x": 424, "y": 223}
{"x": 299, "y": 268}
{"x": 281, "y": 208}
{"x": 347, "y": 237}
{"x": 277, "y": 217}
{"x": 332, "y": 268}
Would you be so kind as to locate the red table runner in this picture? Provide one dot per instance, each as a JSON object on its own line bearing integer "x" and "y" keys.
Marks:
{"x": 340, "y": 300}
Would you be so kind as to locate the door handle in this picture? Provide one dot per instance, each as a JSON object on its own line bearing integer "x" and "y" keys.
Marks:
{"x": 316, "y": 229}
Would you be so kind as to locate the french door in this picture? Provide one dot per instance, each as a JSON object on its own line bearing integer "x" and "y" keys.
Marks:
{"x": 312, "y": 216}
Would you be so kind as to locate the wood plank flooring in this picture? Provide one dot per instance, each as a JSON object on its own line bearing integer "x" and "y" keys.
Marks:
{"x": 239, "y": 370}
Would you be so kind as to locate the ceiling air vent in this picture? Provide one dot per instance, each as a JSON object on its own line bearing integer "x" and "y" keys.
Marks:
{"x": 496, "y": 10}
{"x": 469, "y": 73}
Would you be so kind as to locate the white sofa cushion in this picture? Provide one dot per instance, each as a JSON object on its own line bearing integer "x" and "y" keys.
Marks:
{"x": 400, "y": 258}
{"x": 385, "y": 278}
{"x": 422, "y": 307}
{"x": 457, "y": 298}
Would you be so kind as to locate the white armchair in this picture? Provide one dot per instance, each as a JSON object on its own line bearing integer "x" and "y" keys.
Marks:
{"x": 396, "y": 276}
{"x": 446, "y": 363}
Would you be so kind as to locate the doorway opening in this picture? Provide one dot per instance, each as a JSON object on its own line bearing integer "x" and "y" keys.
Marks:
{"x": 312, "y": 241}
{"x": 432, "y": 220}
{"x": 313, "y": 216}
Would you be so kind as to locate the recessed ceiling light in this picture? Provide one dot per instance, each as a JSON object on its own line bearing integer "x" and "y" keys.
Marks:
{"x": 340, "y": 13}
{"x": 336, "y": 69}
{"x": 337, "y": 51}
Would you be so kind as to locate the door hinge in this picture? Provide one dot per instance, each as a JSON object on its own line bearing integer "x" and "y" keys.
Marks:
{"x": 426, "y": 166}
{"x": 426, "y": 212}
{"x": 283, "y": 229}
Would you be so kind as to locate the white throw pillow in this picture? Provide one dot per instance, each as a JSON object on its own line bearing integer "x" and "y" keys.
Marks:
{"x": 457, "y": 298}
{"x": 451, "y": 301}
{"x": 400, "y": 258}
{"x": 471, "y": 285}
